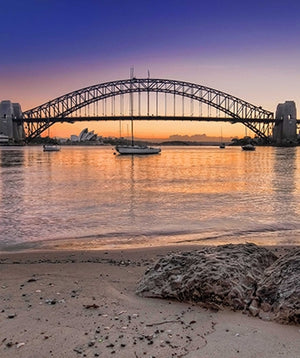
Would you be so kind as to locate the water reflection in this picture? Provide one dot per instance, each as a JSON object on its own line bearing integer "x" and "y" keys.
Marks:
{"x": 198, "y": 193}
{"x": 132, "y": 199}
{"x": 127, "y": 173}
{"x": 285, "y": 198}
{"x": 135, "y": 180}
{"x": 12, "y": 193}
{"x": 284, "y": 169}
{"x": 11, "y": 158}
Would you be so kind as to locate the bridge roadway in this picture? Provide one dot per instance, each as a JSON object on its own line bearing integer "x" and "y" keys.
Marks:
{"x": 251, "y": 121}
{"x": 148, "y": 118}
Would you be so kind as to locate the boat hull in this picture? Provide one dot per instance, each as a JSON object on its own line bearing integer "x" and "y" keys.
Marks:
{"x": 137, "y": 150}
{"x": 248, "y": 147}
{"x": 51, "y": 148}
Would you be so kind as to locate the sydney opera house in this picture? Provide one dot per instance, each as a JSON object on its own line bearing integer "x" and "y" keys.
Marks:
{"x": 84, "y": 136}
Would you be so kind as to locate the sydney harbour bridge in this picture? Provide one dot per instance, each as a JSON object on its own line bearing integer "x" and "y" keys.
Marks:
{"x": 149, "y": 99}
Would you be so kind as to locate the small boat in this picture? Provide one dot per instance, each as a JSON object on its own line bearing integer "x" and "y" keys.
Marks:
{"x": 51, "y": 148}
{"x": 136, "y": 149}
{"x": 248, "y": 147}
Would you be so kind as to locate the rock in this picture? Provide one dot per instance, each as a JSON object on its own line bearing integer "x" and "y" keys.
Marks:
{"x": 279, "y": 289}
{"x": 78, "y": 350}
{"x": 244, "y": 277}
{"x": 223, "y": 275}
{"x": 254, "y": 308}
{"x": 32, "y": 280}
{"x": 265, "y": 307}
{"x": 91, "y": 306}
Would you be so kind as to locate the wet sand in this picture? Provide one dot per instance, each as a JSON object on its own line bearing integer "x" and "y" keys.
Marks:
{"x": 83, "y": 304}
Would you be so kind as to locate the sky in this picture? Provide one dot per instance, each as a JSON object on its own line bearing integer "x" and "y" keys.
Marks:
{"x": 250, "y": 49}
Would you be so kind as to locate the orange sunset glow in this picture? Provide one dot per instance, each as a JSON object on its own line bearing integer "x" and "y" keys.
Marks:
{"x": 148, "y": 130}
{"x": 245, "y": 61}
{"x": 150, "y": 179}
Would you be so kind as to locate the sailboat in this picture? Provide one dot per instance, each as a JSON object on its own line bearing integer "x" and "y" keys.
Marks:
{"x": 51, "y": 148}
{"x": 248, "y": 147}
{"x": 135, "y": 148}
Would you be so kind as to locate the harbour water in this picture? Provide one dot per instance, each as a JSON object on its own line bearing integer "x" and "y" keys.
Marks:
{"x": 87, "y": 197}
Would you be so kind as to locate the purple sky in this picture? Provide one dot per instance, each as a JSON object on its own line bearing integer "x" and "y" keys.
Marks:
{"x": 250, "y": 49}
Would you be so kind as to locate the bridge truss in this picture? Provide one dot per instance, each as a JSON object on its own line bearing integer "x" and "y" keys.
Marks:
{"x": 225, "y": 107}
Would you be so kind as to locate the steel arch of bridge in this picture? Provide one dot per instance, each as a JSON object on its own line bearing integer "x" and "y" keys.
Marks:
{"x": 257, "y": 119}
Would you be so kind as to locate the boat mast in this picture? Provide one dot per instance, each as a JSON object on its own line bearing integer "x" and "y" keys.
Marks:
{"x": 131, "y": 103}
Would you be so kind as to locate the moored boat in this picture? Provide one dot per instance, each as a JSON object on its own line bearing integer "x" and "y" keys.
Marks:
{"x": 137, "y": 149}
{"x": 248, "y": 147}
{"x": 51, "y": 148}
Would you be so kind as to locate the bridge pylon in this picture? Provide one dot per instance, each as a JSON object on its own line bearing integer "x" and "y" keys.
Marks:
{"x": 285, "y": 128}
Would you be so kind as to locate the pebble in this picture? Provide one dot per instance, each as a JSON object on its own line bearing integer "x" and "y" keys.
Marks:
{"x": 51, "y": 301}
{"x": 32, "y": 280}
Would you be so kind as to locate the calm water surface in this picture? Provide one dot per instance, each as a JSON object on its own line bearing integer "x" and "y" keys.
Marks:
{"x": 87, "y": 197}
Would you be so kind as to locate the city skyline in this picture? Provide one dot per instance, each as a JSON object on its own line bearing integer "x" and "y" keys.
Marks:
{"x": 54, "y": 47}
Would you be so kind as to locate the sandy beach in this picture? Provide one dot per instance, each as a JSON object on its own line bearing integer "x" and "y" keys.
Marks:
{"x": 83, "y": 304}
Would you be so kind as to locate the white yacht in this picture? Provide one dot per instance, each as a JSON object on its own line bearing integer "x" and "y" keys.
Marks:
{"x": 137, "y": 149}
{"x": 248, "y": 147}
{"x": 51, "y": 148}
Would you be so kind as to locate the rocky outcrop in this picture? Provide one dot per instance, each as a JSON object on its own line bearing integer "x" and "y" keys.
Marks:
{"x": 278, "y": 292}
{"x": 223, "y": 275}
{"x": 243, "y": 277}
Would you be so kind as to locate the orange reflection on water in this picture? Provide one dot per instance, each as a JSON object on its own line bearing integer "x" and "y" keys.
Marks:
{"x": 87, "y": 197}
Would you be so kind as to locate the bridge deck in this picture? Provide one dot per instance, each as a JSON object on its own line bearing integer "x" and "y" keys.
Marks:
{"x": 147, "y": 118}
